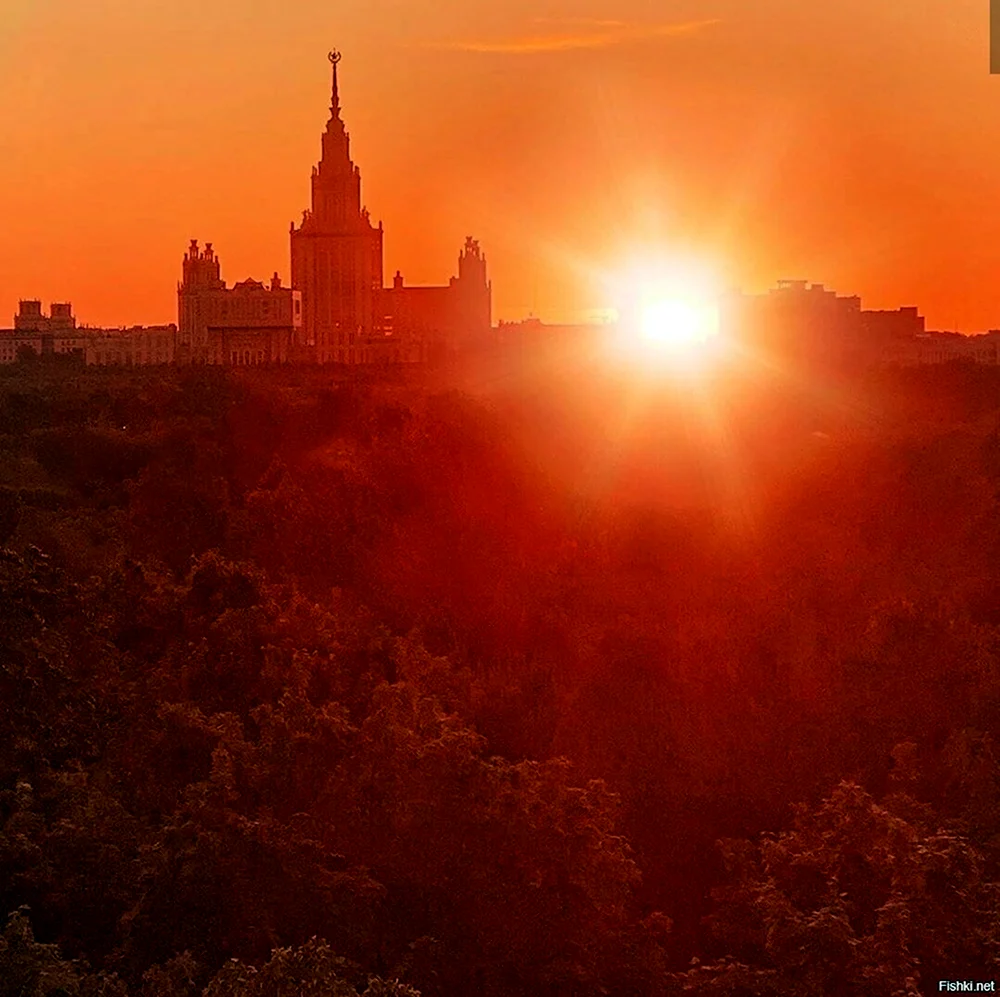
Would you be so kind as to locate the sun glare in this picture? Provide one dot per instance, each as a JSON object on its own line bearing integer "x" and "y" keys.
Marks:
{"x": 678, "y": 325}
{"x": 668, "y": 316}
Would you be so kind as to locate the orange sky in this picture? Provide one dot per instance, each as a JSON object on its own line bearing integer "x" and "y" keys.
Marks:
{"x": 856, "y": 145}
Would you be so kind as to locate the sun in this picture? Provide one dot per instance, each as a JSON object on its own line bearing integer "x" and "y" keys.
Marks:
{"x": 668, "y": 316}
{"x": 678, "y": 325}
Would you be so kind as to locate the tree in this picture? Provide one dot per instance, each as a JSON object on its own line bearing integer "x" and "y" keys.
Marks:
{"x": 858, "y": 897}
{"x": 29, "y": 967}
{"x": 311, "y": 970}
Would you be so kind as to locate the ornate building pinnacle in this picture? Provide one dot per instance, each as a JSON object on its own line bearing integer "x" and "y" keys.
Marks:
{"x": 334, "y": 58}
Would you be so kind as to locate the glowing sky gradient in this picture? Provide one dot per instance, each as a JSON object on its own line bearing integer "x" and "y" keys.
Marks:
{"x": 857, "y": 145}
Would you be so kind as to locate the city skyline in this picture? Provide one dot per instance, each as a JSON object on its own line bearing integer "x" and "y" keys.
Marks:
{"x": 566, "y": 139}
{"x": 499, "y": 500}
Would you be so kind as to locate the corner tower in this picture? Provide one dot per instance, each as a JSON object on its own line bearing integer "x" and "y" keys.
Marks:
{"x": 337, "y": 252}
{"x": 474, "y": 292}
{"x": 201, "y": 283}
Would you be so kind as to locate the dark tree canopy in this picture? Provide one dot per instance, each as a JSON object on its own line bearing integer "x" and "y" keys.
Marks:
{"x": 538, "y": 686}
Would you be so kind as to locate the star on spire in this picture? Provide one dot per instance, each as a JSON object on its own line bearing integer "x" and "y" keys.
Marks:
{"x": 334, "y": 58}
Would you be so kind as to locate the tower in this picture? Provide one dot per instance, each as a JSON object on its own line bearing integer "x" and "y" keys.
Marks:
{"x": 200, "y": 282}
{"x": 337, "y": 252}
{"x": 473, "y": 293}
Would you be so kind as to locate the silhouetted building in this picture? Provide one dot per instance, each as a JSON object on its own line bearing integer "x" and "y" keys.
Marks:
{"x": 246, "y": 324}
{"x": 337, "y": 252}
{"x": 531, "y": 332}
{"x": 944, "y": 347}
{"x": 802, "y": 323}
{"x": 15, "y": 343}
{"x": 810, "y": 324}
{"x": 887, "y": 326}
{"x": 58, "y": 335}
{"x": 54, "y": 334}
{"x": 31, "y": 318}
{"x": 348, "y": 317}
{"x": 453, "y": 316}
{"x": 136, "y": 346}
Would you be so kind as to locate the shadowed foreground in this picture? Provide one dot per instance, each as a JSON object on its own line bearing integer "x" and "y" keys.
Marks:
{"x": 312, "y": 688}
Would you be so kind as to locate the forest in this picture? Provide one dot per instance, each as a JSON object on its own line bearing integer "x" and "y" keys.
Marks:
{"x": 555, "y": 681}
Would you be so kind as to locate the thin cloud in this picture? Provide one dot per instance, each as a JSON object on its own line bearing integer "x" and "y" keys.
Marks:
{"x": 612, "y": 33}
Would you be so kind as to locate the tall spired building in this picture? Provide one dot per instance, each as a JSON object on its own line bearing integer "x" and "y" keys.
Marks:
{"x": 337, "y": 253}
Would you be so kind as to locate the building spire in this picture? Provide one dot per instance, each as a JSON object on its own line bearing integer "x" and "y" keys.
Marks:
{"x": 334, "y": 58}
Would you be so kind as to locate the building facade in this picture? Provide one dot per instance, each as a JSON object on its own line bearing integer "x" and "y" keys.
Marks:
{"x": 54, "y": 334}
{"x": 245, "y": 325}
{"x": 454, "y": 316}
{"x": 138, "y": 346}
{"x": 337, "y": 263}
{"x": 58, "y": 335}
{"x": 336, "y": 253}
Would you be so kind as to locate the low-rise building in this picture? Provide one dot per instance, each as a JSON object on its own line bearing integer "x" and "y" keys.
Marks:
{"x": 944, "y": 347}
{"x": 58, "y": 335}
{"x": 139, "y": 345}
{"x": 55, "y": 334}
